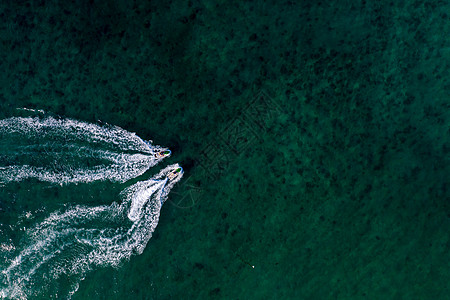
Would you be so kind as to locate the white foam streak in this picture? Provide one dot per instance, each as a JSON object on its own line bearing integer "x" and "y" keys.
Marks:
{"x": 72, "y": 130}
{"x": 69, "y": 151}
{"x": 72, "y": 242}
{"x": 128, "y": 167}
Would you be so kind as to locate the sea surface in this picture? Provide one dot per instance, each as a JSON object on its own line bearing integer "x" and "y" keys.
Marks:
{"x": 309, "y": 150}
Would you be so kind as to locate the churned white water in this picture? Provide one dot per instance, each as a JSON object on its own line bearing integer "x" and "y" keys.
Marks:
{"x": 52, "y": 255}
{"x": 69, "y": 243}
{"x": 68, "y": 151}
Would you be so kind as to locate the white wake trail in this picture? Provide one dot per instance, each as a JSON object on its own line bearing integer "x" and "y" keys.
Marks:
{"x": 69, "y": 151}
{"x": 66, "y": 245}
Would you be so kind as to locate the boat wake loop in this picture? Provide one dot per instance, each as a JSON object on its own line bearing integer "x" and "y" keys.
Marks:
{"x": 56, "y": 252}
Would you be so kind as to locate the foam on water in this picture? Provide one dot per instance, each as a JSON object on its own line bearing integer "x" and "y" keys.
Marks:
{"x": 56, "y": 253}
{"x": 67, "y": 151}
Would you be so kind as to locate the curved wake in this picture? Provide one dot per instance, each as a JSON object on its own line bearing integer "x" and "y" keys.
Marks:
{"x": 69, "y": 151}
{"x": 59, "y": 251}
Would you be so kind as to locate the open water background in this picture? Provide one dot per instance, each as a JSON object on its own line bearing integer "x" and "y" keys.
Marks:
{"x": 315, "y": 138}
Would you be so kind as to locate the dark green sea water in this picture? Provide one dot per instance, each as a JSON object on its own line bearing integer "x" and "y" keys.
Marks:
{"x": 314, "y": 137}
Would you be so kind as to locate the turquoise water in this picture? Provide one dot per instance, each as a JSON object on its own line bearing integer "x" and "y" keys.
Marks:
{"x": 314, "y": 139}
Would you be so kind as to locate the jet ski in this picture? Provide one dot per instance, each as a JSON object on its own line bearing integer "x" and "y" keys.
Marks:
{"x": 174, "y": 173}
{"x": 163, "y": 153}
